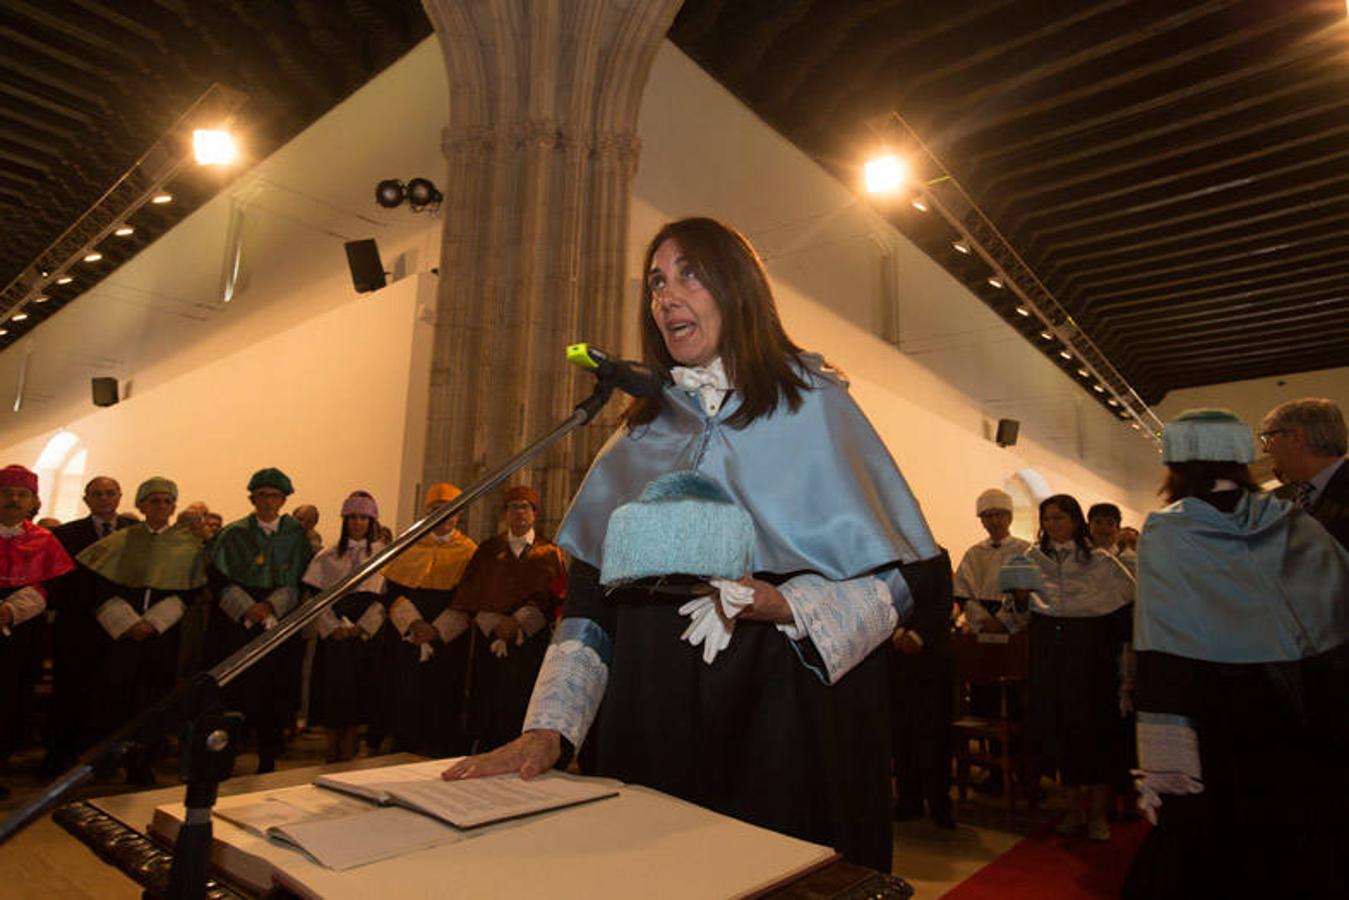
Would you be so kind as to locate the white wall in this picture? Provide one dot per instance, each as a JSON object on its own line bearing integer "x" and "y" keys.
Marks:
{"x": 312, "y": 400}
{"x": 958, "y": 368}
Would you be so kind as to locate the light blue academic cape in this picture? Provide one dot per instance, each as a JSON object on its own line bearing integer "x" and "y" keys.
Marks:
{"x": 824, "y": 492}
{"x": 1263, "y": 583}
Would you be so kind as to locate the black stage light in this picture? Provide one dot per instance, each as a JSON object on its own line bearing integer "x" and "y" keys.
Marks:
{"x": 421, "y": 192}
{"x": 389, "y": 193}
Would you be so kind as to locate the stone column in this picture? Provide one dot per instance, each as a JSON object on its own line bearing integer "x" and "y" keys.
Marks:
{"x": 542, "y": 147}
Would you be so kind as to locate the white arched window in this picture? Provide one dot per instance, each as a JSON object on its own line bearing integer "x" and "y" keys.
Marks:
{"x": 1027, "y": 487}
{"x": 61, "y": 468}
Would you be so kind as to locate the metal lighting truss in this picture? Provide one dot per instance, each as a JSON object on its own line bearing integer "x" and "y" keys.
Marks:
{"x": 136, "y": 187}
{"x": 945, "y": 195}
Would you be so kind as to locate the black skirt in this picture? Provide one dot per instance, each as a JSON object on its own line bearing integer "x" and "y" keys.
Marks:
{"x": 755, "y": 735}
{"x": 1075, "y": 728}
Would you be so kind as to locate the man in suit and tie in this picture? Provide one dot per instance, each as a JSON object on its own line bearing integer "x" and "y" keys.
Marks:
{"x": 1307, "y": 440}
{"x": 75, "y": 635}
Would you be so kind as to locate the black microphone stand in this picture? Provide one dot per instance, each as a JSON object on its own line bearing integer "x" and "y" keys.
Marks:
{"x": 209, "y": 737}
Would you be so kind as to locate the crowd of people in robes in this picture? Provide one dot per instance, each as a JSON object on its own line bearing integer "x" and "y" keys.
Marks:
{"x": 435, "y": 653}
{"x": 746, "y": 608}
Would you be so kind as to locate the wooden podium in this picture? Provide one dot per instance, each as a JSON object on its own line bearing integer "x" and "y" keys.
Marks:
{"x": 594, "y": 850}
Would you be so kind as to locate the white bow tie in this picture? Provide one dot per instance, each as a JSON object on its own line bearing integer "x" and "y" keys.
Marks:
{"x": 709, "y": 382}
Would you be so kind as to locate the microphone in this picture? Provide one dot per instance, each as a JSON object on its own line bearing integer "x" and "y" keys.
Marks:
{"x": 629, "y": 377}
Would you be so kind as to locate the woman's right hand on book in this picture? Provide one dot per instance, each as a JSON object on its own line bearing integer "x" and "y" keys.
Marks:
{"x": 530, "y": 754}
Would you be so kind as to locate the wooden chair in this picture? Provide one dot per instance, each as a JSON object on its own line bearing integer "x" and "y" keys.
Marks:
{"x": 1001, "y": 661}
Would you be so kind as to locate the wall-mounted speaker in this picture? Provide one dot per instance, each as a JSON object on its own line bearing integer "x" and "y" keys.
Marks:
{"x": 367, "y": 270}
{"x": 1007, "y": 432}
{"x": 104, "y": 391}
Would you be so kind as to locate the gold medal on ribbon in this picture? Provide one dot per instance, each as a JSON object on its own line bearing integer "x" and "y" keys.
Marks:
{"x": 261, "y": 560}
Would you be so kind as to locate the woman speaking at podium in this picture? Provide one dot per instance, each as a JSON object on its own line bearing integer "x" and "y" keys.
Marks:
{"x": 744, "y": 546}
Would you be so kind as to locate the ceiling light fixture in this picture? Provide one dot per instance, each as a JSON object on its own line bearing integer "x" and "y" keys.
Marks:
{"x": 1084, "y": 373}
{"x": 1113, "y": 402}
{"x": 885, "y": 174}
{"x": 93, "y": 257}
{"x": 64, "y": 279}
{"x": 961, "y": 246}
{"x": 919, "y": 204}
{"x": 41, "y": 298}
{"x": 1098, "y": 388}
{"x": 1022, "y": 311}
{"x": 1065, "y": 354}
{"x": 124, "y": 231}
{"x": 161, "y": 199}
{"x": 4, "y": 331}
{"x": 1045, "y": 335}
{"x": 213, "y": 147}
{"x": 18, "y": 317}
{"x": 996, "y": 282}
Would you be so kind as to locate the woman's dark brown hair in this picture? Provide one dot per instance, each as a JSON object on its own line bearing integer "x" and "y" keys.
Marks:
{"x": 760, "y": 360}
{"x": 1068, "y": 505}
{"x": 1196, "y": 479}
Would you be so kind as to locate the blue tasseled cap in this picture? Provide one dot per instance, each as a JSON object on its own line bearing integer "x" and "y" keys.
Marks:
{"x": 1210, "y": 435}
{"x": 683, "y": 523}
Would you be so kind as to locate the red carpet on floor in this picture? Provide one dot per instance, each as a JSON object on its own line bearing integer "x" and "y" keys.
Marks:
{"x": 1047, "y": 865}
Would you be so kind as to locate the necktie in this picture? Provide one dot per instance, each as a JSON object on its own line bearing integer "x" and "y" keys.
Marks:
{"x": 104, "y": 529}
{"x": 1302, "y": 494}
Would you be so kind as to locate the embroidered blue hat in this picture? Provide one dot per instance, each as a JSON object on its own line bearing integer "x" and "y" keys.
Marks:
{"x": 683, "y": 523}
{"x": 1214, "y": 435}
{"x": 1020, "y": 573}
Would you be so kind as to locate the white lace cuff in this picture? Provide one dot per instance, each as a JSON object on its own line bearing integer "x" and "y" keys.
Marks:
{"x": 283, "y": 600}
{"x": 531, "y": 619}
{"x": 116, "y": 616}
{"x": 327, "y": 623}
{"x": 571, "y": 682}
{"x": 235, "y": 601}
{"x": 25, "y": 603}
{"x": 450, "y": 624}
{"x": 488, "y": 621}
{"x": 402, "y": 613}
{"x": 371, "y": 621}
{"x": 166, "y": 613}
{"x": 845, "y": 620}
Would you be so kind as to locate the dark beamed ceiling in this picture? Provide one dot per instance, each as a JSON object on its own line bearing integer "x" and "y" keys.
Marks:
{"x": 87, "y": 86}
{"x": 1174, "y": 172}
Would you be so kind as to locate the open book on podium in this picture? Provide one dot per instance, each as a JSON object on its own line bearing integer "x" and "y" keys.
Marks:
{"x": 358, "y": 835}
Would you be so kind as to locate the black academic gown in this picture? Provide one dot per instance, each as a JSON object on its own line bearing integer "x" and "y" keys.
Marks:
{"x": 343, "y": 684}
{"x": 423, "y": 702}
{"x": 1273, "y": 748}
{"x": 756, "y": 735}
{"x": 129, "y": 675}
{"x": 77, "y": 643}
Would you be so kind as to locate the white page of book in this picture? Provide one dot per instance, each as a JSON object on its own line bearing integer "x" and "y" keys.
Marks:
{"x": 477, "y": 801}
{"x": 367, "y": 782}
{"x": 287, "y": 806}
{"x": 375, "y": 834}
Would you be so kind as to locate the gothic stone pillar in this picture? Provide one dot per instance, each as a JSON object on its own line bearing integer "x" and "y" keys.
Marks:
{"x": 542, "y": 147}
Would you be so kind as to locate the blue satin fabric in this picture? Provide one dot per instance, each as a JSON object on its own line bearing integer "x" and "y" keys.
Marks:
{"x": 1263, "y": 583}
{"x": 824, "y": 492}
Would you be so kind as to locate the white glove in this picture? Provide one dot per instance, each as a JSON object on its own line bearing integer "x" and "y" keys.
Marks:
{"x": 498, "y": 648}
{"x": 735, "y": 597}
{"x": 707, "y": 628}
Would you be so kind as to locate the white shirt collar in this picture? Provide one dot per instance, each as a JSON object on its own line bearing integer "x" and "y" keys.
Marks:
{"x": 269, "y": 527}
{"x": 518, "y": 544}
{"x": 10, "y": 531}
{"x": 709, "y": 382}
